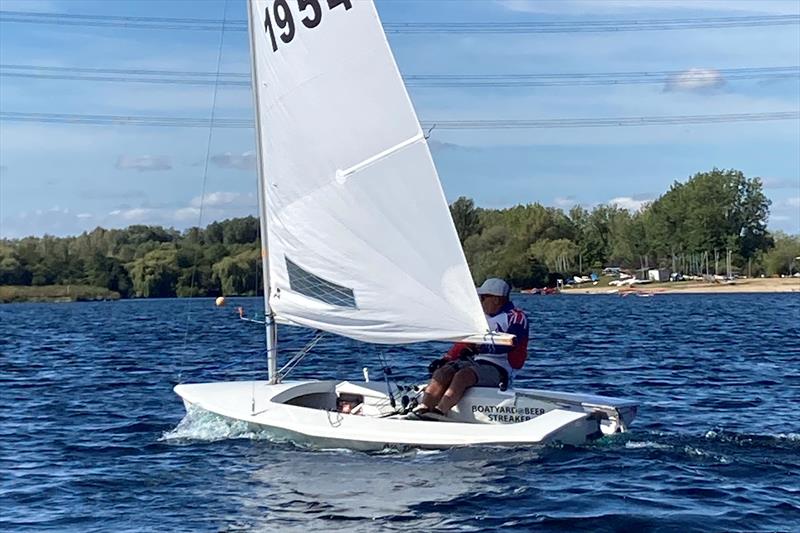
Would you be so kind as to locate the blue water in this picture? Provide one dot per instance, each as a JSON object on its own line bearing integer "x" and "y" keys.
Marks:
{"x": 92, "y": 437}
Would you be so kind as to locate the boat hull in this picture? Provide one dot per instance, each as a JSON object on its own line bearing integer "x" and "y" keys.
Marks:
{"x": 315, "y": 413}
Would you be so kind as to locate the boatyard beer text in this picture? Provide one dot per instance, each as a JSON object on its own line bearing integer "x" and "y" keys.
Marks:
{"x": 508, "y": 414}
{"x": 310, "y": 10}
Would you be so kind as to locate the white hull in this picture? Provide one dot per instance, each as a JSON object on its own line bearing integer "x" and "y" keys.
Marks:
{"x": 310, "y": 412}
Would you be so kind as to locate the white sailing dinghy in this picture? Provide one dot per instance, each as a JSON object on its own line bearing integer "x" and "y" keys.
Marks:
{"x": 361, "y": 244}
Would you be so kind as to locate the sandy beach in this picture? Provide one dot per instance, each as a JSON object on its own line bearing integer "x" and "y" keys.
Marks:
{"x": 739, "y": 286}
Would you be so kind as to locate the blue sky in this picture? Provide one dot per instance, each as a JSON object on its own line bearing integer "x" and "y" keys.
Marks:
{"x": 63, "y": 179}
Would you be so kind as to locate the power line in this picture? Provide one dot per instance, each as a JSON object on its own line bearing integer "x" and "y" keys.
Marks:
{"x": 241, "y": 79}
{"x": 125, "y": 71}
{"x": 602, "y": 78}
{"x": 590, "y": 26}
{"x": 602, "y": 122}
{"x": 611, "y": 121}
{"x": 527, "y": 27}
{"x": 124, "y": 120}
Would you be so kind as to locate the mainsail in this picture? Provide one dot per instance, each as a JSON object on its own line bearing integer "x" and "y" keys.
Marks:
{"x": 360, "y": 239}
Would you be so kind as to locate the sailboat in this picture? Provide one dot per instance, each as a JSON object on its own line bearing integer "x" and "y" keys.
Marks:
{"x": 360, "y": 244}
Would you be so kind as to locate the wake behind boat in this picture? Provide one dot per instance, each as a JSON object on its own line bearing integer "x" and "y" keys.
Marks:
{"x": 361, "y": 244}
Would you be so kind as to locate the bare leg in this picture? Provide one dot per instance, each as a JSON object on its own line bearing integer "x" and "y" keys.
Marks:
{"x": 439, "y": 382}
{"x": 464, "y": 379}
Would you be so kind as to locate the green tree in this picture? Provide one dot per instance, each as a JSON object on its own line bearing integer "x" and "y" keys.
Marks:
{"x": 155, "y": 275}
{"x": 465, "y": 217}
{"x": 240, "y": 231}
{"x": 712, "y": 211}
{"x": 783, "y": 258}
{"x": 239, "y": 274}
{"x": 12, "y": 271}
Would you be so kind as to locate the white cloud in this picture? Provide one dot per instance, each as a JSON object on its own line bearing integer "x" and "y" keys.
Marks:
{"x": 695, "y": 79}
{"x": 565, "y": 201}
{"x": 245, "y": 161}
{"x": 144, "y": 163}
{"x": 187, "y": 214}
{"x": 781, "y": 183}
{"x": 437, "y": 146}
{"x": 137, "y": 214}
{"x": 60, "y": 221}
{"x": 225, "y": 199}
{"x": 793, "y": 202}
{"x": 629, "y": 203}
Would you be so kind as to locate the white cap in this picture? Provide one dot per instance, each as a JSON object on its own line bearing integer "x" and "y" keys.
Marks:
{"x": 495, "y": 287}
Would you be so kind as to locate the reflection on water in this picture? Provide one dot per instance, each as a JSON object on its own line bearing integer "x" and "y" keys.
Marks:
{"x": 305, "y": 489}
{"x": 313, "y": 488}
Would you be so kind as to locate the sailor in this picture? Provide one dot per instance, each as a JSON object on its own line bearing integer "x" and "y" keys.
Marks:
{"x": 482, "y": 365}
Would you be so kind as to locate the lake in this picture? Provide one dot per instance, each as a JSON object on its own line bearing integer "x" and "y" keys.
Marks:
{"x": 94, "y": 439}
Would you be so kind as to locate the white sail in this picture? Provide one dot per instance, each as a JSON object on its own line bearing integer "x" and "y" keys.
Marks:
{"x": 361, "y": 242}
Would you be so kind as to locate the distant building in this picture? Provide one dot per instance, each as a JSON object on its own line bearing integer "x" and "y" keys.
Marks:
{"x": 658, "y": 274}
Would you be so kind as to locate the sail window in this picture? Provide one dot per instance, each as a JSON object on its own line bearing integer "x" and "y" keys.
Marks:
{"x": 308, "y": 284}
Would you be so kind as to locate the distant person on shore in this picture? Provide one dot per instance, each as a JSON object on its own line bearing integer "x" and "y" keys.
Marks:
{"x": 482, "y": 365}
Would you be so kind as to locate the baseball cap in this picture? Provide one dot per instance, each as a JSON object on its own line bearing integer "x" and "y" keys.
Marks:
{"x": 494, "y": 287}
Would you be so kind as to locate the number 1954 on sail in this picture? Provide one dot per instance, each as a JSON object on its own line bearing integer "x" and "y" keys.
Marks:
{"x": 309, "y": 11}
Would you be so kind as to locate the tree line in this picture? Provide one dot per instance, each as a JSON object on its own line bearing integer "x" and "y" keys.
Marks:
{"x": 142, "y": 261}
{"x": 690, "y": 229}
{"x": 686, "y": 229}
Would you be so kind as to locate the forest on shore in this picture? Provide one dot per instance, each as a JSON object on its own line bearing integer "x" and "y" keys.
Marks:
{"x": 693, "y": 226}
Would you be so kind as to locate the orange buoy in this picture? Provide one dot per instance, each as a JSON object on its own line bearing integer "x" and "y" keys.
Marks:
{"x": 220, "y": 301}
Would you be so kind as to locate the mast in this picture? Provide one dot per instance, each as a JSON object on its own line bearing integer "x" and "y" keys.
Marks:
{"x": 271, "y": 332}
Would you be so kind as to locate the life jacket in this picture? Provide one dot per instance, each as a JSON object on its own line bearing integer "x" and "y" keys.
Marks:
{"x": 511, "y": 320}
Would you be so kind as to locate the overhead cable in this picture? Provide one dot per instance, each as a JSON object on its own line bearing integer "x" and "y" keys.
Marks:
{"x": 241, "y": 79}
{"x": 599, "y": 122}
{"x": 521, "y": 27}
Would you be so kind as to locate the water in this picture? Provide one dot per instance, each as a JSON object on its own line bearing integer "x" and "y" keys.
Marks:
{"x": 92, "y": 437}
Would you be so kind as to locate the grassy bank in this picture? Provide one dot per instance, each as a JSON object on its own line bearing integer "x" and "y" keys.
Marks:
{"x": 55, "y": 293}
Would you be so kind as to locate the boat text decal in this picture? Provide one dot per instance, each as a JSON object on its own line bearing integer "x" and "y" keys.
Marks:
{"x": 281, "y": 15}
{"x": 509, "y": 413}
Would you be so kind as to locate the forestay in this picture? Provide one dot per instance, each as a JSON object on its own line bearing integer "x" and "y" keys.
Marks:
{"x": 361, "y": 242}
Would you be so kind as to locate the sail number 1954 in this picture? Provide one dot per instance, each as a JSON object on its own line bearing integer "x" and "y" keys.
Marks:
{"x": 310, "y": 12}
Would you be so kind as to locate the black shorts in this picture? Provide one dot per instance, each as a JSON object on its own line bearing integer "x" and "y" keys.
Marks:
{"x": 489, "y": 375}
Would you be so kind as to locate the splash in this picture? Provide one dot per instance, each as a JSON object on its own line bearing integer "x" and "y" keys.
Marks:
{"x": 753, "y": 440}
{"x": 201, "y": 425}
{"x": 646, "y": 444}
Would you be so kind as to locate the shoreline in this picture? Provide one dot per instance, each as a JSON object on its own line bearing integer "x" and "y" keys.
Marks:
{"x": 67, "y": 294}
{"x": 742, "y": 286}
{"x": 54, "y": 294}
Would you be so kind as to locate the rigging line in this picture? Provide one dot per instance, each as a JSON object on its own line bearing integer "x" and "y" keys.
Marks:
{"x": 387, "y": 371}
{"x": 203, "y": 188}
{"x": 295, "y": 360}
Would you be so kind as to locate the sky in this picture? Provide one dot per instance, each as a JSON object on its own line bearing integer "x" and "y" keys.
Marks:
{"x": 62, "y": 179}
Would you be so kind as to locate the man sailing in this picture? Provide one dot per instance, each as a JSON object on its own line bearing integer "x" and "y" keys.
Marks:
{"x": 478, "y": 365}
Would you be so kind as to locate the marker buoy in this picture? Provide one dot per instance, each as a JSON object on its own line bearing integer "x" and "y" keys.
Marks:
{"x": 220, "y": 301}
